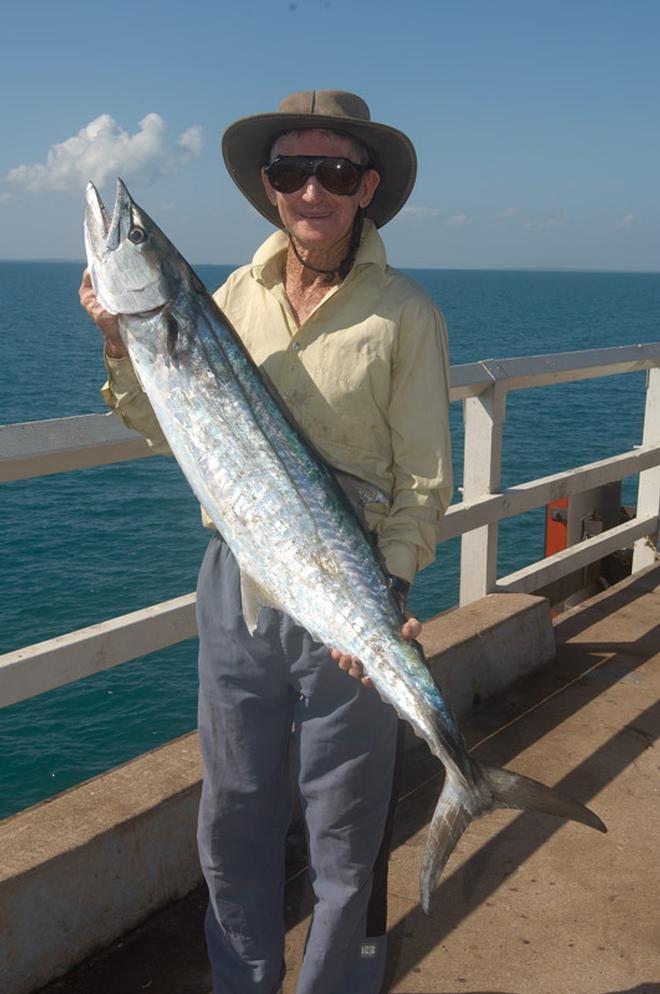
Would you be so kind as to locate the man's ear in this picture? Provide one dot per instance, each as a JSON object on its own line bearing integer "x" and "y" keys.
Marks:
{"x": 370, "y": 183}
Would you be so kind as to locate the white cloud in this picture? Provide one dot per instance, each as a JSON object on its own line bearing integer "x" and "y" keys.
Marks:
{"x": 626, "y": 221}
{"x": 457, "y": 221}
{"x": 547, "y": 222}
{"x": 410, "y": 210}
{"x": 509, "y": 212}
{"x": 102, "y": 150}
{"x": 192, "y": 140}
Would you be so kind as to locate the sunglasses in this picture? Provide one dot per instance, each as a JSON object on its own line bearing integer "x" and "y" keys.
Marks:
{"x": 288, "y": 173}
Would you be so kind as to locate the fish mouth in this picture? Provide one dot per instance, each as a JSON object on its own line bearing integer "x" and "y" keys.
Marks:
{"x": 128, "y": 277}
{"x": 103, "y": 231}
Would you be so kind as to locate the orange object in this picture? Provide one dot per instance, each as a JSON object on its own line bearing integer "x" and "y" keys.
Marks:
{"x": 556, "y": 526}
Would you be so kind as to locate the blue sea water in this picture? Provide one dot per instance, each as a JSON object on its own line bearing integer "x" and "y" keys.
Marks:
{"x": 77, "y": 548}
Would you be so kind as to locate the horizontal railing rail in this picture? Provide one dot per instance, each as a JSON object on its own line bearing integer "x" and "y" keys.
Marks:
{"x": 466, "y": 516}
{"x": 39, "y": 448}
{"x": 61, "y": 445}
{"x": 523, "y": 372}
{"x": 46, "y": 665}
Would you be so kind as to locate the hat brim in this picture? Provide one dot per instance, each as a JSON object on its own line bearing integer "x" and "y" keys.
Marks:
{"x": 246, "y": 146}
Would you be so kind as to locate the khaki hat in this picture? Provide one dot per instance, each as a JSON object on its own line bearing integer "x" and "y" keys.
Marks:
{"x": 246, "y": 146}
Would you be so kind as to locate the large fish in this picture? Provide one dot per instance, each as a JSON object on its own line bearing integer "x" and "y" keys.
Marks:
{"x": 299, "y": 541}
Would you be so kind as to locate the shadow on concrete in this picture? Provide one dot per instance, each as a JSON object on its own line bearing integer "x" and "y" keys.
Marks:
{"x": 513, "y": 721}
{"x": 583, "y": 617}
{"x": 481, "y": 875}
{"x": 649, "y": 988}
{"x": 167, "y": 954}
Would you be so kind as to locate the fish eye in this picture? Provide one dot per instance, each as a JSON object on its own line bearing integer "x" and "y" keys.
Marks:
{"x": 137, "y": 235}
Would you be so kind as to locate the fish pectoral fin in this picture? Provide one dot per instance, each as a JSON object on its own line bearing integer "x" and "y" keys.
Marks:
{"x": 253, "y": 598}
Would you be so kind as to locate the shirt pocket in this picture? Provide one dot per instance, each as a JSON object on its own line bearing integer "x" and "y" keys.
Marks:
{"x": 353, "y": 372}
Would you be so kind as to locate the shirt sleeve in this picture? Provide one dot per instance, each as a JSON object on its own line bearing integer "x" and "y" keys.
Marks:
{"x": 221, "y": 295}
{"x": 421, "y": 447}
{"x": 124, "y": 394}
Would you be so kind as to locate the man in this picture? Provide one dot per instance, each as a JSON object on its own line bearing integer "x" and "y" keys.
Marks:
{"x": 358, "y": 353}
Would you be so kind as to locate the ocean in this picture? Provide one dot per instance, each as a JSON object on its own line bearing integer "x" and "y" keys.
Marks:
{"x": 81, "y": 547}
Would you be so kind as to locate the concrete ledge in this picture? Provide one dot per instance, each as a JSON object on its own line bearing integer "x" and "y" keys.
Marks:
{"x": 477, "y": 650}
{"x": 87, "y": 866}
{"x": 82, "y": 869}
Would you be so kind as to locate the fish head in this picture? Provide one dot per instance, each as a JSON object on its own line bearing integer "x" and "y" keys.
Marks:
{"x": 132, "y": 265}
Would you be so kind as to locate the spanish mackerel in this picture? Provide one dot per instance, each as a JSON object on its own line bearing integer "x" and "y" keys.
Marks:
{"x": 280, "y": 508}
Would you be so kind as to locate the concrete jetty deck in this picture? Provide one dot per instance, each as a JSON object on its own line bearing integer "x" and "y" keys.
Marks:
{"x": 528, "y": 904}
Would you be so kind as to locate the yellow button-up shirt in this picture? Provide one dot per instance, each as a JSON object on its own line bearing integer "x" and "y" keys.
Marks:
{"x": 366, "y": 376}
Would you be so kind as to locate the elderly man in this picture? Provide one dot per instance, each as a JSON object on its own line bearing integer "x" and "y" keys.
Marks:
{"x": 358, "y": 353}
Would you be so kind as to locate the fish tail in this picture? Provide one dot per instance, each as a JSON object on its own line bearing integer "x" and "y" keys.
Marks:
{"x": 461, "y": 802}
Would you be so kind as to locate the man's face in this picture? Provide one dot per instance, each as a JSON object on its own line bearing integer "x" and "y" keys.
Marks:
{"x": 312, "y": 215}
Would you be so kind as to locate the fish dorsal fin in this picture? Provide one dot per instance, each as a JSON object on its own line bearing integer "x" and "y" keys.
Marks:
{"x": 253, "y": 598}
{"x": 360, "y": 492}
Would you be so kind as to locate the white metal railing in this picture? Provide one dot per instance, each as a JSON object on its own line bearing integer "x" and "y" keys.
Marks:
{"x": 44, "y": 447}
{"x": 484, "y": 503}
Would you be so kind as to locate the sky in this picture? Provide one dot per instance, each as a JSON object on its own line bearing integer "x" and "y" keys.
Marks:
{"x": 536, "y": 122}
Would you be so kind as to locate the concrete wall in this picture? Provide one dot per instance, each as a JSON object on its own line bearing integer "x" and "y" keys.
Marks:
{"x": 78, "y": 871}
{"x": 81, "y": 869}
{"x": 478, "y": 650}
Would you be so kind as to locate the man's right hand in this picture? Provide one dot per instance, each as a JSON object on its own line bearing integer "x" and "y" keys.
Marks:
{"x": 107, "y": 323}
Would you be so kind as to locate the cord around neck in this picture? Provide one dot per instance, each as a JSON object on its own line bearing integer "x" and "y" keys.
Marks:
{"x": 344, "y": 267}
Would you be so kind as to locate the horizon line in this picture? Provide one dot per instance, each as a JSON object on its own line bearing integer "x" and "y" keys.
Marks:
{"x": 475, "y": 269}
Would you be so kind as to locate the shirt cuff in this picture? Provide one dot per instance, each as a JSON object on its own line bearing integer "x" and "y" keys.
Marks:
{"x": 400, "y": 559}
{"x": 121, "y": 372}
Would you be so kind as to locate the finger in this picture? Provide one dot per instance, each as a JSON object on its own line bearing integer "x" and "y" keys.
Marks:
{"x": 88, "y": 297}
{"x": 344, "y": 661}
{"x": 412, "y": 628}
{"x": 349, "y": 664}
{"x": 367, "y": 682}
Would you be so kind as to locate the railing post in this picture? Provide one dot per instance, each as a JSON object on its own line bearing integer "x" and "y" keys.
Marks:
{"x": 484, "y": 423}
{"x": 645, "y": 550}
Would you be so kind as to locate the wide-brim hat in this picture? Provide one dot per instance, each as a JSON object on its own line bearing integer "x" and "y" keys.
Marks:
{"x": 246, "y": 146}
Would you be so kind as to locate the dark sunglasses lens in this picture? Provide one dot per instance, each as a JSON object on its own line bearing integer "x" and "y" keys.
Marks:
{"x": 340, "y": 177}
{"x": 285, "y": 177}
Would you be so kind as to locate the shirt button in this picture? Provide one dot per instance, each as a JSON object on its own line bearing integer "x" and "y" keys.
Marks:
{"x": 296, "y": 346}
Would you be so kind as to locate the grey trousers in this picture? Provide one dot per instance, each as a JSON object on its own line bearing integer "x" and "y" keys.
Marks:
{"x": 252, "y": 688}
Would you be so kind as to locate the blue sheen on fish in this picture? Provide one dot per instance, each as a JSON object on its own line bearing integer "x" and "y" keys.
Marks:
{"x": 298, "y": 540}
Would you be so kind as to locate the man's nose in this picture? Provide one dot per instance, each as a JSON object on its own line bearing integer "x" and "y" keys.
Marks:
{"x": 313, "y": 190}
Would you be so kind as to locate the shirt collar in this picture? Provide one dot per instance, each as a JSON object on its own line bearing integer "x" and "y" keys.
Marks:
{"x": 268, "y": 261}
